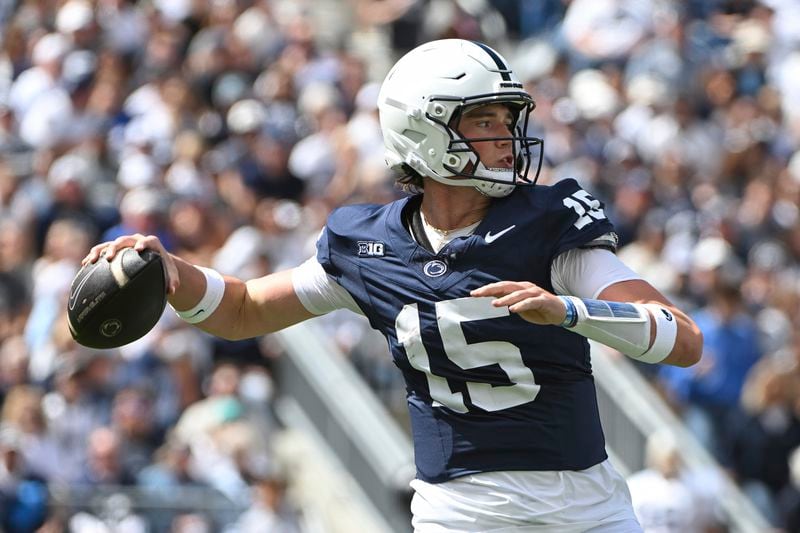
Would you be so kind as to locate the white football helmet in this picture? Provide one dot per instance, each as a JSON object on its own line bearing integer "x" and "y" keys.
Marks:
{"x": 423, "y": 97}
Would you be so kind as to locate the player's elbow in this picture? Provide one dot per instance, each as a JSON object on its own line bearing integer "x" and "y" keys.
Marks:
{"x": 690, "y": 348}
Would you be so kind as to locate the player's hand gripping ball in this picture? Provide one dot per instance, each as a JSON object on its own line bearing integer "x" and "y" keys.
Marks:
{"x": 113, "y": 303}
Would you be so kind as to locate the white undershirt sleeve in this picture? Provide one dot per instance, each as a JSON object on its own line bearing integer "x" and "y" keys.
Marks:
{"x": 318, "y": 292}
{"x": 585, "y": 272}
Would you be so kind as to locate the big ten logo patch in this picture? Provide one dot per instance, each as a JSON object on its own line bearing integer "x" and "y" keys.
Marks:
{"x": 370, "y": 249}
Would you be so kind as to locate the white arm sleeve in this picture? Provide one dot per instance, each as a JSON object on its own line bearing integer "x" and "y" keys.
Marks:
{"x": 585, "y": 272}
{"x": 318, "y": 292}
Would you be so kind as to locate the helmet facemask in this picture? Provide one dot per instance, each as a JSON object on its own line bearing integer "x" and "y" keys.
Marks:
{"x": 466, "y": 162}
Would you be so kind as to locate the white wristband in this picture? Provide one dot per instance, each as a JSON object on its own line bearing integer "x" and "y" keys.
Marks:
{"x": 666, "y": 333}
{"x": 215, "y": 289}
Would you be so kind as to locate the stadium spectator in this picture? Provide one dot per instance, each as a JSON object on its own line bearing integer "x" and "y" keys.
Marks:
{"x": 661, "y": 501}
{"x": 23, "y": 496}
{"x": 14, "y": 360}
{"x": 70, "y": 178}
{"x": 761, "y": 439}
{"x": 104, "y": 462}
{"x": 709, "y": 393}
{"x": 143, "y": 210}
{"x": 23, "y": 413}
{"x": 73, "y": 410}
{"x": 52, "y": 274}
{"x": 171, "y": 467}
{"x": 133, "y": 419}
{"x": 788, "y": 502}
{"x": 268, "y": 507}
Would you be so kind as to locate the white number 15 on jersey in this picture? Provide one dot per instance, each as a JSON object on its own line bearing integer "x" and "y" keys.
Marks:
{"x": 450, "y": 314}
{"x": 586, "y": 206}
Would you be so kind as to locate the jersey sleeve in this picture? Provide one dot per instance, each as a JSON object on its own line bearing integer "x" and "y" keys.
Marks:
{"x": 318, "y": 292}
{"x": 330, "y": 244}
{"x": 324, "y": 252}
{"x": 576, "y": 218}
{"x": 337, "y": 249}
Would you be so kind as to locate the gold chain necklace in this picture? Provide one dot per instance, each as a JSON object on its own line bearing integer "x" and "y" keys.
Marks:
{"x": 445, "y": 232}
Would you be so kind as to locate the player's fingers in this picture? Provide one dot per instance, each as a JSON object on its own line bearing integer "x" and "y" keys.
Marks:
{"x": 523, "y": 291}
{"x": 120, "y": 243}
{"x": 110, "y": 248}
{"x": 543, "y": 308}
{"x": 106, "y": 250}
{"x": 529, "y": 303}
{"x": 492, "y": 289}
{"x": 138, "y": 242}
{"x": 152, "y": 242}
{"x": 94, "y": 253}
{"x": 512, "y": 298}
{"x": 523, "y": 300}
{"x": 148, "y": 241}
{"x": 500, "y": 288}
{"x": 173, "y": 279}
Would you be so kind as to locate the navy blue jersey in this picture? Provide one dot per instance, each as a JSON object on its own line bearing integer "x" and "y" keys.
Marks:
{"x": 486, "y": 389}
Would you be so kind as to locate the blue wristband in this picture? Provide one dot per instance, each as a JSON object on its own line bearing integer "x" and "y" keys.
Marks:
{"x": 571, "y": 317}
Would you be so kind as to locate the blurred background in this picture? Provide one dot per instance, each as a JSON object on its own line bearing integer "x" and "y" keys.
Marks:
{"x": 231, "y": 128}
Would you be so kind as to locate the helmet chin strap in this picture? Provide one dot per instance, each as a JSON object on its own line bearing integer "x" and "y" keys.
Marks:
{"x": 483, "y": 186}
{"x": 493, "y": 188}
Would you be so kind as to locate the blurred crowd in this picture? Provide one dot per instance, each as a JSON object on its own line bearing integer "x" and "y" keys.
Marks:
{"x": 231, "y": 128}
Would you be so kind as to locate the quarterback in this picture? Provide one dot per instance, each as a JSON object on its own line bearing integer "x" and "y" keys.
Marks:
{"x": 486, "y": 286}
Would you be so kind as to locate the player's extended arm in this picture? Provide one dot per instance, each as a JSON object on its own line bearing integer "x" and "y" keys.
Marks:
{"x": 539, "y": 306}
{"x": 247, "y": 309}
{"x": 242, "y": 310}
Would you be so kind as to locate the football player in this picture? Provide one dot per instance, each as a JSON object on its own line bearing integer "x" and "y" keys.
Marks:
{"x": 487, "y": 286}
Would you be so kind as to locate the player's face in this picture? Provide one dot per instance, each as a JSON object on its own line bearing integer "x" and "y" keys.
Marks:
{"x": 490, "y": 121}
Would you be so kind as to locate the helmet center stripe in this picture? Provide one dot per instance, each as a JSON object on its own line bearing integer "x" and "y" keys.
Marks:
{"x": 504, "y": 70}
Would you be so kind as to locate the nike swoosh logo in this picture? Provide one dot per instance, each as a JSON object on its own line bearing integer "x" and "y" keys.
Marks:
{"x": 489, "y": 238}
